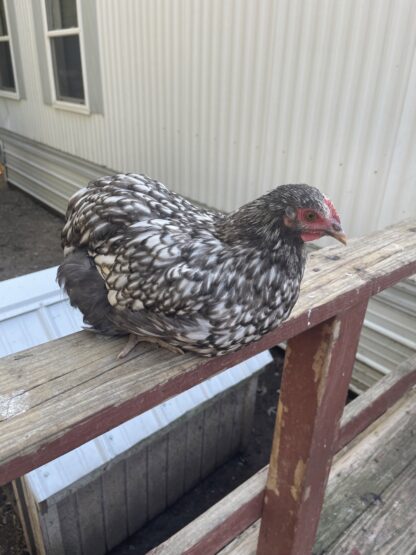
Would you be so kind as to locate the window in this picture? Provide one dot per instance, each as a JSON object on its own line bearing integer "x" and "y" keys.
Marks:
{"x": 64, "y": 52}
{"x": 8, "y": 84}
{"x": 66, "y": 33}
{"x": 63, "y": 33}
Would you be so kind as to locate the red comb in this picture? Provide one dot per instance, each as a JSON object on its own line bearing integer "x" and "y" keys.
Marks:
{"x": 332, "y": 209}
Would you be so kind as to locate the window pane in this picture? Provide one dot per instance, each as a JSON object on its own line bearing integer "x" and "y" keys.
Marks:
{"x": 6, "y": 68}
{"x": 62, "y": 14}
{"x": 3, "y": 23}
{"x": 67, "y": 68}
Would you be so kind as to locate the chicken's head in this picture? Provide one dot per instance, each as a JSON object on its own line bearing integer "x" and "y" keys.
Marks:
{"x": 310, "y": 214}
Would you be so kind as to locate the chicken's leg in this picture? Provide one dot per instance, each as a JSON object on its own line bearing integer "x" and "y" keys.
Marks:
{"x": 134, "y": 339}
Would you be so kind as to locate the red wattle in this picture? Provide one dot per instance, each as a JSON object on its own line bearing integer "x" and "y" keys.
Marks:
{"x": 311, "y": 236}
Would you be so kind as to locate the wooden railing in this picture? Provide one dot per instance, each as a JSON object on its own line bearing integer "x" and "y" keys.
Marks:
{"x": 57, "y": 396}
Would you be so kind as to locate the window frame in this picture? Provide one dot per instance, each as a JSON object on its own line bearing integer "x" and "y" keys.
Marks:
{"x": 83, "y": 108}
{"x": 8, "y": 38}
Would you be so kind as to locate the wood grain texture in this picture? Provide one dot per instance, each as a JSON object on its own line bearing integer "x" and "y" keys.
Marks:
{"x": 316, "y": 374}
{"x": 366, "y": 467}
{"x": 245, "y": 543}
{"x": 244, "y": 503}
{"x": 51, "y": 531}
{"x": 157, "y": 463}
{"x": 375, "y": 401}
{"x": 214, "y": 529}
{"x": 90, "y": 515}
{"x": 68, "y": 517}
{"x": 368, "y": 507}
{"x": 248, "y": 414}
{"x": 136, "y": 469}
{"x": 386, "y": 527}
{"x": 114, "y": 497}
{"x": 193, "y": 450}
{"x": 210, "y": 438}
{"x": 34, "y": 517}
{"x": 225, "y": 431}
{"x": 23, "y": 511}
{"x": 176, "y": 464}
{"x": 59, "y": 395}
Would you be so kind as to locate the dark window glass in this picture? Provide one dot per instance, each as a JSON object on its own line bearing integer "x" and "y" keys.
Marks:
{"x": 6, "y": 68}
{"x": 3, "y": 23}
{"x": 62, "y": 14}
{"x": 67, "y": 67}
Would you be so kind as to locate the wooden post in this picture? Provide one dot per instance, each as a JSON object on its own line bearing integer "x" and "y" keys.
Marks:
{"x": 317, "y": 372}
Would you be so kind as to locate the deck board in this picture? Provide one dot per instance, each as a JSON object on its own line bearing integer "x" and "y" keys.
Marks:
{"x": 366, "y": 468}
{"x": 59, "y": 395}
{"x": 389, "y": 525}
{"x": 369, "y": 502}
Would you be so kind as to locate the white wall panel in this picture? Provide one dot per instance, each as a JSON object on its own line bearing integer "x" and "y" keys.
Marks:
{"x": 223, "y": 99}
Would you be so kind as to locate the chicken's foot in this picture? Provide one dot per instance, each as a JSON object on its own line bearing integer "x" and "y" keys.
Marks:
{"x": 134, "y": 339}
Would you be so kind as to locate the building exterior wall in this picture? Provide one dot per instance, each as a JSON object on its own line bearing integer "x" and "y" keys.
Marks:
{"x": 223, "y": 100}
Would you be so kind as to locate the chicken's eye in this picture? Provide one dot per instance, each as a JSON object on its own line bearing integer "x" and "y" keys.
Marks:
{"x": 310, "y": 216}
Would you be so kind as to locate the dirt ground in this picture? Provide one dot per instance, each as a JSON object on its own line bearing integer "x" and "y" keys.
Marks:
{"x": 30, "y": 241}
{"x": 29, "y": 235}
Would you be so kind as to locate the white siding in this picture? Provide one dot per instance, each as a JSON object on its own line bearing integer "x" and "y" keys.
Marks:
{"x": 223, "y": 99}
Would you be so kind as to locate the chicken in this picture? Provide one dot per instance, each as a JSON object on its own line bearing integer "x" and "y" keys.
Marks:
{"x": 141, "y": 260}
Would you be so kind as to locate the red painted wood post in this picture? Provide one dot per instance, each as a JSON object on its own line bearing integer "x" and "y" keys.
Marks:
{"x": 317, "y": 372}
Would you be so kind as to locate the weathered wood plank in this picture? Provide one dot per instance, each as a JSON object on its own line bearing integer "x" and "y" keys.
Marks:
{"x": 375, "y": 401}
{"x": 245, "y": 543}
{"x": 157, "y": 453}
{"x": 68, "y": 517}
{"x": 317, "y": 372}
{"x": 34, "y": 518}
{"x": 51, "y": 531}
{"x": 366, "y": 489}
{"x": 388, "y": 526}
{"x": 210, "y": 438}
{"x": 193, "y": 450}
{"x": 248, "y": 413}
{"x": 136, "y": 469}
{"x": 366, "y": 467}
{"x": 115, "y": 503}
{"x": 89, "y": 512}
{"x": 225, "y": 431}
{"x": 59, "y": 395}
{"x": 24, "y": 514}
{"x": 176, "y": 463}
{"x": 239, "y": 426}
{"x": 213, "y": 529}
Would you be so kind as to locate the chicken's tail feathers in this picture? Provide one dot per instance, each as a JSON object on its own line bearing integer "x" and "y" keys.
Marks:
{"x": 86, "y": 289}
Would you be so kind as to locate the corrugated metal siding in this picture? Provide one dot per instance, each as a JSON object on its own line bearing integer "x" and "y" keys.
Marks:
{"x": 222, "y": 100}
{"x": 46, "y": 173}
{"x": 388, "y": 336}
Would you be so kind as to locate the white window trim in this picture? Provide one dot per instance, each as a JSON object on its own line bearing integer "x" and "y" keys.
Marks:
{"x": 56, "y": 103}
{"x": 8, "y": 38}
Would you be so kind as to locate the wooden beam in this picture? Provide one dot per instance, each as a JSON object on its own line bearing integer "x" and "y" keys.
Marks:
{"x": 317, "y": 372}
{"x": 57, "y": 396}
{"x": 375, "y": 401}
{"x": 364, "y": 479}
{"x": 367, "y": 466}
{"x": 223, "y": 521}
{"x": 389, "y": 523}
{"x": 238, "y": 510}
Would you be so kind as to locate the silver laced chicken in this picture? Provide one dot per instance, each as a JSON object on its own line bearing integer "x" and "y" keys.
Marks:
{"x": 143, "y": 261}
